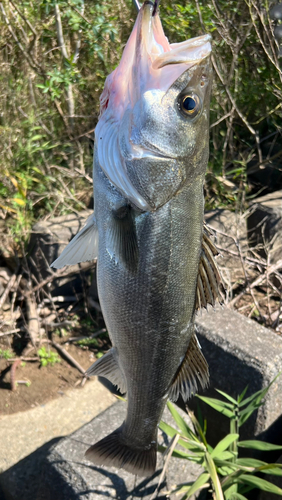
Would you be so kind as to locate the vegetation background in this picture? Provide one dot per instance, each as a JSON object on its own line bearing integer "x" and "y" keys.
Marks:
{"x": 54, "y": 59}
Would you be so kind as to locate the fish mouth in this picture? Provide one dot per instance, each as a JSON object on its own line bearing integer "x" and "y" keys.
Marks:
{"x": 159, "y": 51}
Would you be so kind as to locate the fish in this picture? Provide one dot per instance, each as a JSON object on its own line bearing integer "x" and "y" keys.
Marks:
{"x": 155, "y": 258}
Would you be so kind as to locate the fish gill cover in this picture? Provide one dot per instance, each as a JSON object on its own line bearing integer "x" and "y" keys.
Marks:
{"x": 149, "y": 62}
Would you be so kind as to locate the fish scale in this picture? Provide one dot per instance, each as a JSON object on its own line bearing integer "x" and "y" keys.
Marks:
{"x": 155, "y": 262}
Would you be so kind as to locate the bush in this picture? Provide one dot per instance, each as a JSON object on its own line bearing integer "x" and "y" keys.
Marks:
{"x": 225, "y": 474}
{"x": 55, "y": 59}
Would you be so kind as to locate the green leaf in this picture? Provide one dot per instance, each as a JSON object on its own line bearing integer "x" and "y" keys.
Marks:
{"x": 259, "y": 445}
{"x": 242, "y": 394}
{"x": 227, "y": 396}
{"x": 260, "y": 483}
{"x": 275, "y": 469}
{"x": 250, "y": 462}
{"x": 180, "y": 422}
{"x": 259, "y": 395}
{"x": 20, "y": 202}
{"x": 194, "y": 446}
{"x": 245, "y": 415}
{"x": 233, "y": 465}
{"x": 214, "y": 477}
{"x": 36, "y": 137}
{"x": 168, "y": 429}
{"x": 224, "y": 444}
{"x": 181, "y": 454}
{"x": 237, "y": 496}
{"x": 201, "y": 481}
{"x": 219, "y": 406}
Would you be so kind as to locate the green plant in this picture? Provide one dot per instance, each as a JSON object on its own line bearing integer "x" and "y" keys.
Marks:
{"x": 225, "y": 473}
{"x": 47, "y": 357}
{"x": 7, "y": 354}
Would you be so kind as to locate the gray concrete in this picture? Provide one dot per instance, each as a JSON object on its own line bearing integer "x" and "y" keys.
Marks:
{"x": 60, "y": 472}
{"x": 48, "y": 239}
{"x": 265, "y": 225}
{"x": 241, "y": 352}
{"x": 24, "y": 432}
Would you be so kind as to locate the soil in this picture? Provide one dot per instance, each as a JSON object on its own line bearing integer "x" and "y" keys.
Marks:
{"x": 43, "y": 382}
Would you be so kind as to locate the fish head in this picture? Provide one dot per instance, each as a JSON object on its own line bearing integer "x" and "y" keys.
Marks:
{"x": 152, "y": 135}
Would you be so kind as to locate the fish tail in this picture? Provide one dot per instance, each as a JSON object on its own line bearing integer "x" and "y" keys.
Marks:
{"x": 113, "y": 451}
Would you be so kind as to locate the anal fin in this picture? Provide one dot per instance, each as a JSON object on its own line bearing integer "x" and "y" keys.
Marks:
{"x": 83, "y": 247}
{"x": 193, "y": 370}
{"x": 107, "y": 366}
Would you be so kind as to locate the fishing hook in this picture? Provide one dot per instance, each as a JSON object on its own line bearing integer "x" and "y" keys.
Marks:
{"x": 137, "y": 4}
{"x": 156, "y": 4}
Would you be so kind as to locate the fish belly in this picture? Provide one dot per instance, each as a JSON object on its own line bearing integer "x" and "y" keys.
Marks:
{"x": 149, "y": 310}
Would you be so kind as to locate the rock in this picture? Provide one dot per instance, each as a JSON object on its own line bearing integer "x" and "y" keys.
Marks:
{"x": 229, "y": 229}
{"x": 48, "y": 239}
{"x": 241, "y": 353}
{"x": 228, "y": 226}
{"x": 265, "y": 225}
{"x": 64, "y": 473}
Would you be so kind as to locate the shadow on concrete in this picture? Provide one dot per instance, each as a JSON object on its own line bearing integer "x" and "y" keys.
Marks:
{"x": 231, "y": 375}
{"x": 22, "y": 480}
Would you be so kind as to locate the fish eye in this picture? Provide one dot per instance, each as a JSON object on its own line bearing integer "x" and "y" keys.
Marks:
{"x": 190, "y": 105}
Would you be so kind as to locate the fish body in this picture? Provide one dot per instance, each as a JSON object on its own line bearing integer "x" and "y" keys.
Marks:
{"x": 150, "y": 158}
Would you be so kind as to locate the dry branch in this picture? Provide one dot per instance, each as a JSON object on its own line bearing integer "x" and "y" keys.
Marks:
{"x": 66, "y": 355}
{"x": 7, "y": 290}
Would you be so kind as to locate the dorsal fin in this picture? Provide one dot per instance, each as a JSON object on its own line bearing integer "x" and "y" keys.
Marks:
{"x": 193, "y": 370}
{"x": 210, "y": 286}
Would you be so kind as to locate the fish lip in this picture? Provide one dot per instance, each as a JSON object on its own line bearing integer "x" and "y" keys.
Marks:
{"x": 190, "y": 52}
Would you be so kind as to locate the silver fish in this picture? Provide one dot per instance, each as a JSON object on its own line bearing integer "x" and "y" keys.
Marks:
{"x": 155, "y": 263}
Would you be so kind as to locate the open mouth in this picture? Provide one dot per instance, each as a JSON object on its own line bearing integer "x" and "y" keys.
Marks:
{"x": 158, "y": 48}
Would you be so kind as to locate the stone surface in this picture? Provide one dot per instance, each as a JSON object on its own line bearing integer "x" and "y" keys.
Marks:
{"x": 228, "y": 229}
{"x": 230, "y": 223}
{"x": 62, "y": 473}
{"x": 265, "y": 225}
{"x": 48, "y": 239}
{"x": 22, "y": 433}
{"x": 241, "y": 353}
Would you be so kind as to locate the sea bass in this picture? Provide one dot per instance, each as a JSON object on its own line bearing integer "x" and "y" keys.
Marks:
{"x": 155, "y": 262}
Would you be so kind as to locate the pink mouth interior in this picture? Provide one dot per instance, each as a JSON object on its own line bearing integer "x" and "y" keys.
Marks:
{"x": 149, "y": 62}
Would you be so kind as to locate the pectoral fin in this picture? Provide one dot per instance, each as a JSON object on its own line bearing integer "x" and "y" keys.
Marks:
{"x": 108, "y": 367}
{"x": 122, "y": 239}
{"x": 209, "y": 286}
{"x": 193, "y": 370}
{"x": 83, "y": 247}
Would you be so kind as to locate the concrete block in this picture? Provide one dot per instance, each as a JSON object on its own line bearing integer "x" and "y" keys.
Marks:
{"x": 229, "y": 228}
{"x": 66, "y": 466}
{"x": 265, "y": 225}
{"x": 60, "y": 472}
{"x": 48, "y": 239}
{"x": 241, "y": 353}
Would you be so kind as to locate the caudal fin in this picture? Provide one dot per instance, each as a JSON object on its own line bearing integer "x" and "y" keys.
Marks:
{"x": 112, "y": 451}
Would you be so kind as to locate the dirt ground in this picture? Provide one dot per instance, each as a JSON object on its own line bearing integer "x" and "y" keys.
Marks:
{"x": 43, "y": 382}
